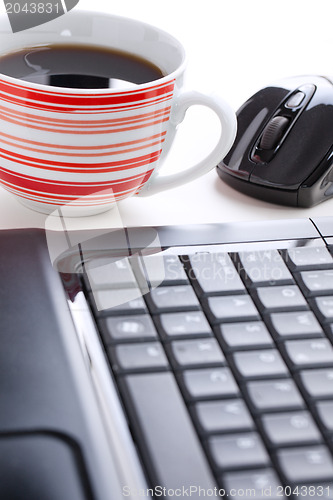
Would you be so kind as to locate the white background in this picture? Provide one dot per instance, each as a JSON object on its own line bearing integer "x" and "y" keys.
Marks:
{"x": 234, "y": 47}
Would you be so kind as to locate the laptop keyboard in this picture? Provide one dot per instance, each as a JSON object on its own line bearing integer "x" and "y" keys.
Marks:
{"x": 224, "y": 365}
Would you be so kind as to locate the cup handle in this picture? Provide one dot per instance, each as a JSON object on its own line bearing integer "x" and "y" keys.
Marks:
{"x": 227, "y": 117}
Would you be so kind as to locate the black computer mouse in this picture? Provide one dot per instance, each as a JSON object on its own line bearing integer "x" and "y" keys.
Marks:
{"x": 283, "y": 151}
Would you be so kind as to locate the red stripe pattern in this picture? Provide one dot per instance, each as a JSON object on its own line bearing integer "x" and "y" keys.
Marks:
{"x": 87, "y": 149}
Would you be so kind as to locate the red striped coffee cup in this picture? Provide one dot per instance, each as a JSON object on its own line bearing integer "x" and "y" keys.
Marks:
{"x": 88, "y": 148}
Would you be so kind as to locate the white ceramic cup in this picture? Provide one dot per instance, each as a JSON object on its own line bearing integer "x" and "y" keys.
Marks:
{"x": 90, "y": 148}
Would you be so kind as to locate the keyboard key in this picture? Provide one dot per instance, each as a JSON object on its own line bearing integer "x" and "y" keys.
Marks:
{"x": 127, "y": 328}
{"x": 249, "y": 334}
{"x": 183, "y": 324}
{"x": 325, "y": 412}
{"x": 309, "y": 257}
{"x": 223, "y": 416}
{"x": 317, "y": 383}
{"x": 110, "y": 273}
{"x": 238, "y": 450}
{"x": 317, "y": 282}
{"x": 195, "y": 353}
{"x": 172, "y": 298}
{"x": 160, "y": 269}
{"x": 232, "y": 308}
{"x": 324, "y": 307}
{"x": 264, "y": 267}
{"x": 162, "y": 425}
{"x": 309, "y": 353}
{"x": 313, "y": 463}
{"x": 288, "y": 325}
{"x": 209, "y": 383}
{"x": 290, "y": 428}
{"x": 330, "y": 332}
{"x": 214, "y": 274}
{"x": 260, "y": 483}
{"x": 136, "y": 357}
{"x": 264, "y": 363}
{"x": 270, "y": 395}
{"x": 280, "y": 298}
{"x": 118, "y": 301}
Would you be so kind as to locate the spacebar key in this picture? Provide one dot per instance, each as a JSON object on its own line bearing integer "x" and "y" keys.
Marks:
{"x": 166, "y": 437}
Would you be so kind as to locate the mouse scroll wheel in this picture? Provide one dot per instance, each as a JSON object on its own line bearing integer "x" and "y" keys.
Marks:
{"x": 273, "y": 132}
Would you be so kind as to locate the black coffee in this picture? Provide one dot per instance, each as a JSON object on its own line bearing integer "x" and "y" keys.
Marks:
{"x": 77, "y": 66}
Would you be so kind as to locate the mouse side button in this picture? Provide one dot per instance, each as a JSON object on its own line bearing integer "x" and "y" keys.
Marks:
{"x": 318, "y": 186}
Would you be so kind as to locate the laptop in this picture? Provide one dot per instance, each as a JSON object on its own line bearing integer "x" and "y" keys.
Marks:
{"x": 167, "y": 362}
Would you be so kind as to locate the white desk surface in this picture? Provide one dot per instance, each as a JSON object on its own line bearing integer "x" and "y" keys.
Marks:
{"x": 234, "y": 48}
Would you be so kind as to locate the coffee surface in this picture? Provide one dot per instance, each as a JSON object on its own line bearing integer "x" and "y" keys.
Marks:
{"x": 78, "y": 66}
